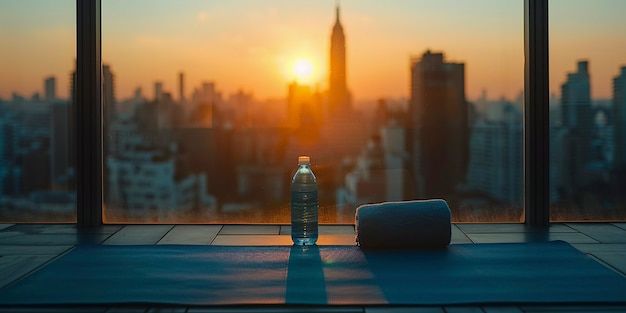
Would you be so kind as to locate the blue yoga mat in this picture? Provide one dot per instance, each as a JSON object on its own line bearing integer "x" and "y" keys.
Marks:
{"x": 528, "y": 273}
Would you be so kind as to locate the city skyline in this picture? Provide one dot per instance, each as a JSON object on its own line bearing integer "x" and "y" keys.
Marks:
{"x": 169, "y": 156}
{"x": 494, "y": 60}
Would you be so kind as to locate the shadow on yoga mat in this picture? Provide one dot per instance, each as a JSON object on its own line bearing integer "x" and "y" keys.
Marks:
{"x": 551, "y": 272}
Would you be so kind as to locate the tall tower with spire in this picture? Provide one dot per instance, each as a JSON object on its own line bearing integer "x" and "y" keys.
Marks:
{"x": 338, "y": 97}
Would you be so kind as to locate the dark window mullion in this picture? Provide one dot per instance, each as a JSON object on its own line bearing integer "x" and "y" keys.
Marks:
{"x": 536, "y": 114}
{"x": 88, "y": 113}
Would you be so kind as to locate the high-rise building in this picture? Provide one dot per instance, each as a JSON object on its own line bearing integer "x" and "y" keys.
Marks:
{"x": 439, "y": 122}
{"x": 147, "y": 180}
{"x": 495, "y": 166}
{"x": 338, "y": 94}
{"x": 204, "y": 101}
{"x": 158, "y": 91}
{"x": 108, "y": 94}
{"x": 109, "y": 111}
{"x": 71, "y": 128}
{"x": 50, "y": 89}
{"x": 9, "y": 147}
{"x": 181, "y": 87}
{"x": 619, "y": 115}
{"x": 303, "y": 107}
{"x": 379, "y": 173}
{"x": 576, "y": 136}
{"x": 576, "y": 108}
{"x": 59, "y": 142}
{"x": 73, "y": 86}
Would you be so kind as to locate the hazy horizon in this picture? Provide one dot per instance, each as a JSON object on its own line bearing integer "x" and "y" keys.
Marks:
{"x": 223, "y": 43}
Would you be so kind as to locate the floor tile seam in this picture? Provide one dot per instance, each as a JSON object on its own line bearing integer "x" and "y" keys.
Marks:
{"x": 107, "y": 237}
{"x": 280, "y": 230}
{"x": 603, "y": 262}
{"x": 216, "y": 234}
{"x": 459, "y": 229}
{"x": 586, "y": 235}
{"x": 9, "y": 225}
{"x": 445, "y": 310}
{"x": 253, "y": 235}
{"x": 573, "y": 231}
{"x": 110, "y": 309}
{"x": 568, "y": 226}
{"x": 507, "y": 305}
{"x": 261, "y": 225}
{"x": 68, "y": 246}
{"x": 570, "y": 307}
{"x": 462, "y": 232}
{"x": 190, "y": 243}
{"x": 40, "y": 266}
{"x": 223, "y": 228}
{"x": 167, "y": 232}
{"x": 481, "y": 231}
{"x": 597, "y": 238}
{"x": 37, "y": 244}
{"x": 612, "y": 226}
{"x": 113, "y": 234}
{"x": 597, "y": 250}
{"x": 8, "y": 229}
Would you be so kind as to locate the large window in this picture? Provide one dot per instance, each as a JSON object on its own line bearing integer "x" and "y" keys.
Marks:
{"x": 207, "y": 105}
{"x": 38, "y": 41}
{"x": 587, "y": 110}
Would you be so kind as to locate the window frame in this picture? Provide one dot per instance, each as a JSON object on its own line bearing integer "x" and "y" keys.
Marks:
{"x": 536, "y": 114}
{"x": 88, "y": 118}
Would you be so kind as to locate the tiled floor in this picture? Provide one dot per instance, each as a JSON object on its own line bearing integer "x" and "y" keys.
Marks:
{"x": 25, "y": 248}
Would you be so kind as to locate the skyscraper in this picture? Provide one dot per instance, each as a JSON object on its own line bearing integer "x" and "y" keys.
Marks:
{"x": 439, "y": 121}
{"x": 108, "y": 94}
{"x": 619, "y": 115}
{"x": 338, "y": 94}
{"x": 71, "y": 129}
{"x": 9, "y": 147}
{"x": 109, "y": 114}
{"x": 577, "y": 134}
{"x": 59, "y": 142}
{"x": 495, "y": 160}
{"x": 576, "y": 108}
{"x": 181, "y": 87}
{"x": 158, "y": 91}
{"x": 50, "y": 89}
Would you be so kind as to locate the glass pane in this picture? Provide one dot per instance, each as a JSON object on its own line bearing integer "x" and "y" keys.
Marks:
{"x": 209, "y": 104}
{"x": 38, "y": 52}
{"x": 587, "y": 110}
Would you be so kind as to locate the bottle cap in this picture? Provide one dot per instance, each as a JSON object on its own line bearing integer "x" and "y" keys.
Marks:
{"x": 304, "y": 159}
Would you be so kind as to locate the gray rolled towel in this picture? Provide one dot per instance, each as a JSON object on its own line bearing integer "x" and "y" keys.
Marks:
{"x": 404, "y": 225}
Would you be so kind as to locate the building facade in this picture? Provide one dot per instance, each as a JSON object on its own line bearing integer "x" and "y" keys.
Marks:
{"x": 439, "y": 125}
{"x": 338, "y": 94}
{"x": 619, "y": 116}
{"x": 496, "y": 152}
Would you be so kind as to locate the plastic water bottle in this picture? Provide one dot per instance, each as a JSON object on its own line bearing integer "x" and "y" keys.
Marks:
{"x": 304, "y": 205}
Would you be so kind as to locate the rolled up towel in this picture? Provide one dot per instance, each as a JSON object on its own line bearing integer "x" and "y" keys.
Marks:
{"x": 404, "y": 225}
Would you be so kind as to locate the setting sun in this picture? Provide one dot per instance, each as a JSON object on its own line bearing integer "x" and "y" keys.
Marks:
{"x": 303, "y": 69}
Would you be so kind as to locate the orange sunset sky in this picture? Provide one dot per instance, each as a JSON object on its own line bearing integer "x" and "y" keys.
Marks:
{"x": 252, "y": 44}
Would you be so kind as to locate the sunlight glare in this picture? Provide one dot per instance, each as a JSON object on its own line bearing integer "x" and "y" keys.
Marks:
{"x": 303, "y": 69}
